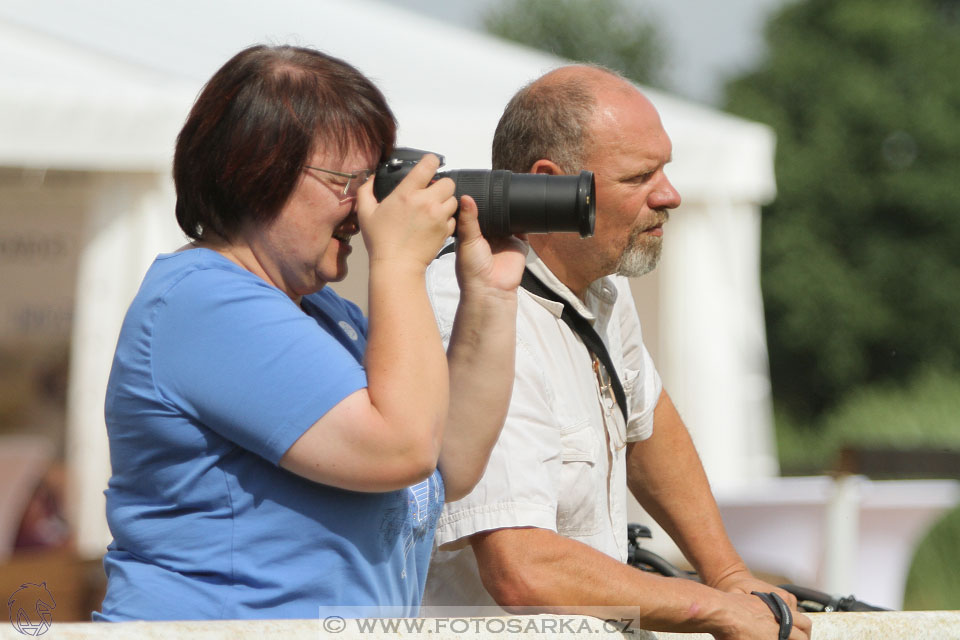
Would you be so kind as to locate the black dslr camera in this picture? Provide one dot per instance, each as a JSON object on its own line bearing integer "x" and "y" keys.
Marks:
{"x": 508, "y": 202}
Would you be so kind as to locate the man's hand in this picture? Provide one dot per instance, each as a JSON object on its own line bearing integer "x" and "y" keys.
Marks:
{"x": 525, "y": 567}
{"x": 744, "y": 582}
{"x": 749, "y": 618}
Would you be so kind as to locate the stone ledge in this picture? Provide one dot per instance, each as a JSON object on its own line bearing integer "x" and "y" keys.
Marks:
{"x": 888, "y": 625}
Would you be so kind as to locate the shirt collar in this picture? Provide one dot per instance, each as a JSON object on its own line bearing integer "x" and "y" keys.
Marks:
{"x": 604, "y": 289}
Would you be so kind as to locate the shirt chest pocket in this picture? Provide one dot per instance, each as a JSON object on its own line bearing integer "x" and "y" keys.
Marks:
{"x": 580, "y": 492}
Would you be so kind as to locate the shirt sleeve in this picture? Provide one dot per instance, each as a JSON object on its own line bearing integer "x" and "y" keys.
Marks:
{"x": 242, "y": 359}
{"x": 520, "y": 484}
{"x": 444, "y": 293}
{"x": 642, "y": 384}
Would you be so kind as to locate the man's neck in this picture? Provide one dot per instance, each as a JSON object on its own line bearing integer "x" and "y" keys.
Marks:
{"x": 572, "y": 272}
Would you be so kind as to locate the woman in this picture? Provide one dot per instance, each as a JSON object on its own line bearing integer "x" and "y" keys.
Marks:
{"x": 273, "y": 451}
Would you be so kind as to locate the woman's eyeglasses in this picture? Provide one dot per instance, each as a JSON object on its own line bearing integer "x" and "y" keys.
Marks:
{"x": 354, "y": 180}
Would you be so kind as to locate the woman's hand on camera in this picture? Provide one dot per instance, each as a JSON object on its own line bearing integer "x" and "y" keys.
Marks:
{"x": 412, "y": 222}
{"x": 481, "y": 350}
{"x": 486, "y": 265}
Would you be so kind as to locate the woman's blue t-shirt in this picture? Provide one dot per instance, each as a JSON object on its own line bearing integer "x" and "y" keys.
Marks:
{"x": 215, "y": 376}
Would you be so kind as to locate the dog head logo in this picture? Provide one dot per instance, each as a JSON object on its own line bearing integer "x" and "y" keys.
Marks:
{"x": 31, "y": 609}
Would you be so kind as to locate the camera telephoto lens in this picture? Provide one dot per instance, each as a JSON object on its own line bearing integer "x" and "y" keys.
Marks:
{"x": 528, "y": 202}
{"x": 508, "y": 202}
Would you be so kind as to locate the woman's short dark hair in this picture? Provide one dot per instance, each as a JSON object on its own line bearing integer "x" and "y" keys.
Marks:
{"x": 256, "y": 123}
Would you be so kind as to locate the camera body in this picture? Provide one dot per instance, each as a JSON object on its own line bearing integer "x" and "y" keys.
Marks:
{"x": 507, "y": 202}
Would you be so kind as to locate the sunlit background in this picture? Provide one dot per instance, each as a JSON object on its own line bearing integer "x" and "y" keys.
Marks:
{"x": 805, "y": 317}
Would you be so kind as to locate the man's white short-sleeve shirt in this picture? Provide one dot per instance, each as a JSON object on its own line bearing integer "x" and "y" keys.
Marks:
{"x": 559, "y": 463}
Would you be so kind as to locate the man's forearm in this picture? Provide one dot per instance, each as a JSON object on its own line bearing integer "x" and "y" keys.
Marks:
{"x": 529, "y": 570}
{"x": 666, "y": 476}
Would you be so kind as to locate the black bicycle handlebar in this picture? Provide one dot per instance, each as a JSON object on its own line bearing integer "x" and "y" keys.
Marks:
{"x": 813, "y": 600}
{"x": 809, "y": 600}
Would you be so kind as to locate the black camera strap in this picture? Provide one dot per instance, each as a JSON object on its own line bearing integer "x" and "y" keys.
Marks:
{"x": 447, "y": 248}
{"x": 582, "y": 327}
{"x": 578, "y": 324}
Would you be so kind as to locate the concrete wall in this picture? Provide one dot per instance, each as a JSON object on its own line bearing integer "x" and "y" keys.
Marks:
{"x": 914, "y": 625}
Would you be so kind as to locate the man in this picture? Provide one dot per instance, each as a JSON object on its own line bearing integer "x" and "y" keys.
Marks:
{"x": 546, "y": 526}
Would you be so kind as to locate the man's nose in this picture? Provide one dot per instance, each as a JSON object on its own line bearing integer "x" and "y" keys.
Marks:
{"x": 664, "y": 196}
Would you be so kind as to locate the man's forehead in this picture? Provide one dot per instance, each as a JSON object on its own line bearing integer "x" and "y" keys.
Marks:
{"x": 623, "y": 102}
{"x": 629, "y": 120}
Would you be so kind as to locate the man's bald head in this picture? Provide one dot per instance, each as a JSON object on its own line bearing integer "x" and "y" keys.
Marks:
{"x": 584, "y": 117}
{"x": 550, "y": 118}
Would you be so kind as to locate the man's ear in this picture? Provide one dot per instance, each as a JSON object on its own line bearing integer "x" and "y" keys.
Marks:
{"x": 548, "y": 167}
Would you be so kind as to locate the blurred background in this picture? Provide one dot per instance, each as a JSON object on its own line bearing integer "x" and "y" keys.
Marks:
{"x": 805, "y": 316}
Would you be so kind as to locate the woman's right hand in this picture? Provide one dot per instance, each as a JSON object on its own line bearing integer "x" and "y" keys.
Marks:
{"x": 388, "y": 435}
{"x": 411, "y": 223}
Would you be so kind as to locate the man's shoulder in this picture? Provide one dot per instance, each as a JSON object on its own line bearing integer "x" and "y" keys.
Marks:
{"x": 443, "y": 288}
{"x": 442, "y": 273}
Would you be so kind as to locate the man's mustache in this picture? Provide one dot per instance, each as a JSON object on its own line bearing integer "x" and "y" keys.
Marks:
{"x": 662, "y": 217}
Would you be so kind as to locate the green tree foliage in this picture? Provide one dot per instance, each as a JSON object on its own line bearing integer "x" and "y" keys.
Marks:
{"x": 921, "y": 414}
{"x": 613, "y": 33}
{"x": 933, "y": 582}
{"x": 861, "y": 249}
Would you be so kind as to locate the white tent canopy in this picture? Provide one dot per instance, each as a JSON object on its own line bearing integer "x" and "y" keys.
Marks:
{"x": 102, "y": 89}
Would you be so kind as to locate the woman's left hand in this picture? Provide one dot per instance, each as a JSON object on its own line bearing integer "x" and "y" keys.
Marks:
{"x": 486, "y": 265}
{"x": 481, "y": 349}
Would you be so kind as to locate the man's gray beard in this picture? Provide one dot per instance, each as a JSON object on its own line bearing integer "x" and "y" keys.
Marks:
{"x": 641, "y": 255}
